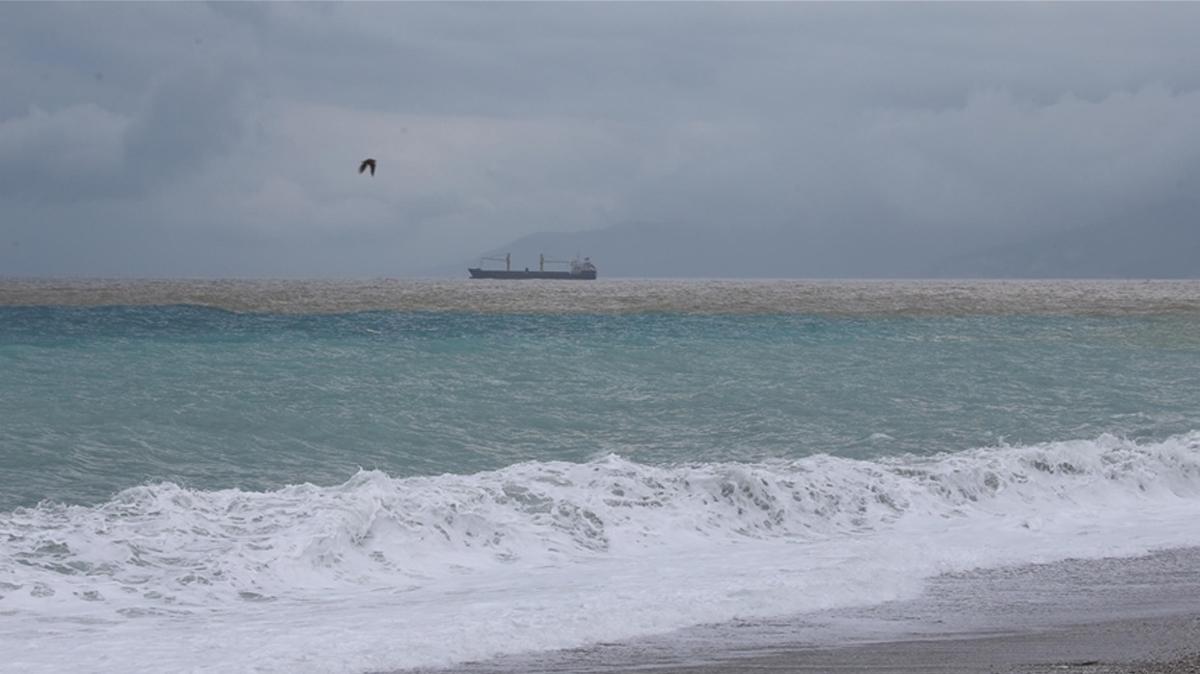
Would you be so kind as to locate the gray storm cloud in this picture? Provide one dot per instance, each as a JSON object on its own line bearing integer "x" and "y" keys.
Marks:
{"x": 739, "y": 139}
{"x": 83, "y": 151}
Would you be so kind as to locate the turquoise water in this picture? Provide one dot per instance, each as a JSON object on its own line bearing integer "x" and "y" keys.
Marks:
{"x": 320, "y": 477}
{"x": 104, "y": 398}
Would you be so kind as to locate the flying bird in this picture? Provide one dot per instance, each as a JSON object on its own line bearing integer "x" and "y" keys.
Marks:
{"x": 367, "y": 164}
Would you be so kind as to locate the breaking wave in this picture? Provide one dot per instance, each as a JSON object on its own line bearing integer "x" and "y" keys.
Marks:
{"x": 432, "y": 570}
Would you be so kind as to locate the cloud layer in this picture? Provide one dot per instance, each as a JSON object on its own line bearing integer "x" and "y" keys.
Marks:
{"x": 223, "y": 139}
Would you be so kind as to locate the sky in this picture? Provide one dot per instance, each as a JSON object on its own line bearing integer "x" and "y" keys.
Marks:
{"x": 223, "y": 139}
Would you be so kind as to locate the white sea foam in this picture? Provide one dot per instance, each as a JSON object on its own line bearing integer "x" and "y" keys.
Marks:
{"x": 385, "y": 573}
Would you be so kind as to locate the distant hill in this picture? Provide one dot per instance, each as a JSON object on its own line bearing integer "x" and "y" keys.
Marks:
{"x": 1162, "y": 242}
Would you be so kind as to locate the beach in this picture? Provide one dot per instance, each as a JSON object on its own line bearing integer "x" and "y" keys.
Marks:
{"x": 1158, "y": 645}
{"x": 1153, "y": 645}
{"x": 1103, "y": 616}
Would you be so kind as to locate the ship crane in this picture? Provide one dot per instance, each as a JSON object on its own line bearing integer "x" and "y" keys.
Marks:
{"x": 507, "y": 260}
{"x": 542, "y": 262}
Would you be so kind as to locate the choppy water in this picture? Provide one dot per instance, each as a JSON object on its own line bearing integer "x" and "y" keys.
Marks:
{"x": 355, "y": 476}
{"x": 830, "y": 298}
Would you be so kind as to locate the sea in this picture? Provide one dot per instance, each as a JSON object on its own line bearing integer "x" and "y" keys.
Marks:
{"x": 381, "y": 475}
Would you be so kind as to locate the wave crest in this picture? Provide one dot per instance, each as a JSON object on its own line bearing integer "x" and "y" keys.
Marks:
{"x": 175, "y": 545}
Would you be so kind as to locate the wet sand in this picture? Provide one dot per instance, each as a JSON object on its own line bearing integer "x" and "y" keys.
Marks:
{"x": 1102, "y": 616}
{"x": 1161, "y": 645}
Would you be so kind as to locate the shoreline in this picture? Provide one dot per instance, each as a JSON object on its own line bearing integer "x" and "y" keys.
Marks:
{"x": 1164, "y": 644}
{"x": 1099, "y": 616}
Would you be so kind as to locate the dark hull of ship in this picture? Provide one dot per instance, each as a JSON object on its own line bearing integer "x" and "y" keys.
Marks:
{"x": 516, "y": 275}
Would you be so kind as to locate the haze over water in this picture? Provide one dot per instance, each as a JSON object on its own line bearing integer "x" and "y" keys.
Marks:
{"x": 361, "y": 476}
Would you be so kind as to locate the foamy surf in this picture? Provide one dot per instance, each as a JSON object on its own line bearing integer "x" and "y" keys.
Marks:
{"x": 388, "y": 573}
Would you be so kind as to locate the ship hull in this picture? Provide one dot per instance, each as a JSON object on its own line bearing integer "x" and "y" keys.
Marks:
{"x": 517, "y": 275}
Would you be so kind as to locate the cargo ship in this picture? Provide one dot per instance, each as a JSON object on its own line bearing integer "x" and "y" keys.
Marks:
{"x": 578, "y": 269}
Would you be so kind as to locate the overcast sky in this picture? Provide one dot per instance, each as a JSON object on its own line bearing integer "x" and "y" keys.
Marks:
{"x": 222, "y": 139}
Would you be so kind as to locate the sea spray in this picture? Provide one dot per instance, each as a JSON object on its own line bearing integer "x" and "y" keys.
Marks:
{"x": 606, "y": 549}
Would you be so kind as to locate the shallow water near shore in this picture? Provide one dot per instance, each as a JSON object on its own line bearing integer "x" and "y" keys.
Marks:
{"x": 1100, "y": 615}
{"x": 373, "y": 476}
